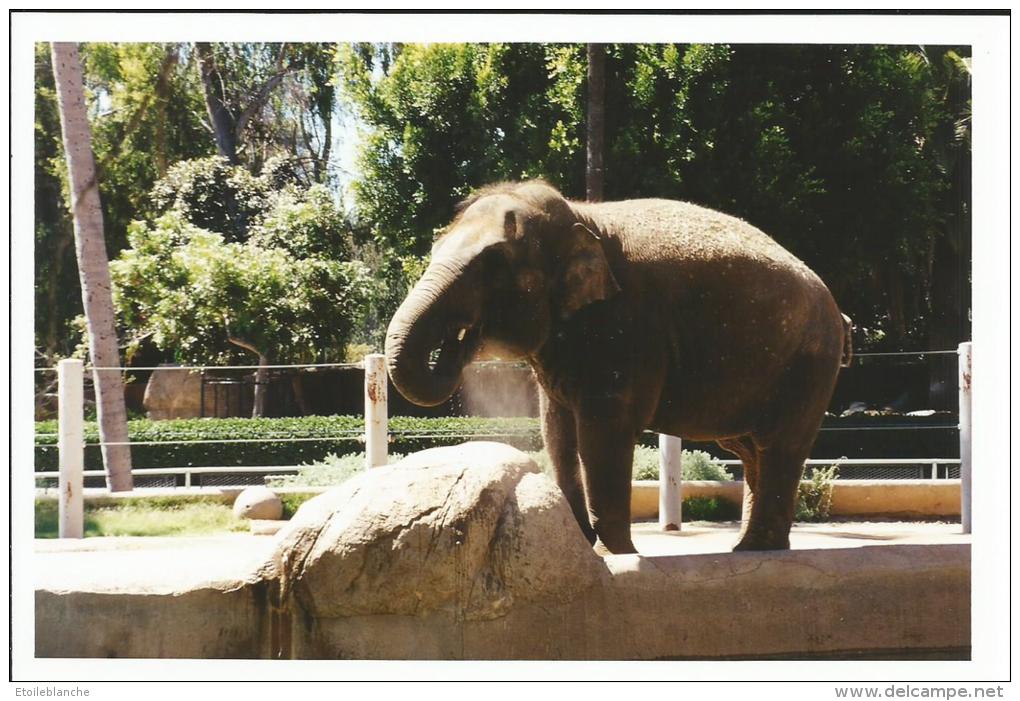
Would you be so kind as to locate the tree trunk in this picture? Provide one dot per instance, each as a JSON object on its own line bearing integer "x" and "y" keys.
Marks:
{"x": 596, "y": 121}
{"x": 222, "y": 122}
{"x": 297, "y": 385}
{"x": 261, "y": 388}
{"x": 261, "y": 376}
{"x": 322, "y": 167}
{"x": 93, "y": 266}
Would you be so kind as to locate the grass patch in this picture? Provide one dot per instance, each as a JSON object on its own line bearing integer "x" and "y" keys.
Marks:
{"x": 137, "y": 517}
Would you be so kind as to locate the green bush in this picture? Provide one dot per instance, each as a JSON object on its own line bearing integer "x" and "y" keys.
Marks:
{"x": 814, "y": 496}
{"x": 709, "y": 509}
{"x": 328, "y": 472}
{"x": 292, "y": 502}
{"x": 695, "y": 465}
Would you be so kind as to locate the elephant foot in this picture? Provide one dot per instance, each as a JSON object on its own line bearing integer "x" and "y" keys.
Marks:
{"x": 617, "y": 548}
{"x": 762, "y": 542}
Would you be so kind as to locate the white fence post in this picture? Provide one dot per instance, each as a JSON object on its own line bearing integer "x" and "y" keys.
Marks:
{"x": 375, "y": 411}
{"x": 71, "y": 448}
{"x": 965, "y": 462}
{"x": 670, "y": 489}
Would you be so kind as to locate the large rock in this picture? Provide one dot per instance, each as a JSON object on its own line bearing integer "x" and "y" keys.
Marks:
{"x": 471, "y": 530}
{"x": 173, "y": 393}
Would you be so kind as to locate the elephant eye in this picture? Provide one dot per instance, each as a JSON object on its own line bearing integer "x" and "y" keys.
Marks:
{"x": 497, "y": 263}
{"x": 528, "y": 280}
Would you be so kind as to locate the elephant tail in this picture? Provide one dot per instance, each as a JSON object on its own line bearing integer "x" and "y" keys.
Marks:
{"x": 848, "y": 342}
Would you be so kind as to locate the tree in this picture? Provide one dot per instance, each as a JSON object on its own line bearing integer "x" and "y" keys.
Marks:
{"x": 143, "y": 116}
{"x": 832, "y": 150}
{"x": 449, "y": 117}
{"x": 55, "y": 266}
{"x": 281, "y": 288}
{"x": 93, "y": 267}
{"x": 146, "y": 106}
{"x": 264, "y": 100}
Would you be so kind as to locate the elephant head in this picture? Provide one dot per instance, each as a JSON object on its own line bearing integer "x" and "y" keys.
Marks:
{"x": 516, "y": 260}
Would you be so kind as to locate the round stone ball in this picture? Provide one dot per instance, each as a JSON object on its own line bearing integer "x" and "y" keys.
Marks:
{"x": 259, "y": 503}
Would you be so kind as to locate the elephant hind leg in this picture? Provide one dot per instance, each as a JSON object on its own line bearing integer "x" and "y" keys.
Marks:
{"x": 770, "y": 507}
{"x": 783, "y": 443}
{"x": 744, "y": 448}
{"x": 559, "y": 432}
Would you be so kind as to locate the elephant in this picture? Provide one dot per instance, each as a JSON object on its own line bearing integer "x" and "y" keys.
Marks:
{"x": 634, "y": 315}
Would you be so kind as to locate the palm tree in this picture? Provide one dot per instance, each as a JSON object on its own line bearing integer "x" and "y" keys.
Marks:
{"x": 93, "y": 266}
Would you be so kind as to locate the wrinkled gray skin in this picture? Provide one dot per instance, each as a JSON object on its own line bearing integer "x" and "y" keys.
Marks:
{"x": 634, "y": 315}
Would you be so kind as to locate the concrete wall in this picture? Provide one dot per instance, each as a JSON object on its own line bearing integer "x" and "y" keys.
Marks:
{"x": 202, "y": 623}
{"x": 909, "y": 601}
{"x": 923, "y": 499}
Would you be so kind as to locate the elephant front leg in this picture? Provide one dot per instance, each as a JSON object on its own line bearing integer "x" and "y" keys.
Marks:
{"x": 559, "y": 433}
{"x": 607, "y": 456}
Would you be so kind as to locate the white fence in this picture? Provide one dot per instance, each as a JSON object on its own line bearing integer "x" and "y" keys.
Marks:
{"x": 71, "y": 447}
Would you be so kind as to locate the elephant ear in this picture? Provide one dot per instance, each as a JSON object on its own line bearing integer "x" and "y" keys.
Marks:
{"x": 584, "y": 275}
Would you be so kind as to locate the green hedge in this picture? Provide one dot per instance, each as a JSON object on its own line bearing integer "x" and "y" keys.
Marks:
{"x": 330, "y": 434}
{"x": 342, "y": 435}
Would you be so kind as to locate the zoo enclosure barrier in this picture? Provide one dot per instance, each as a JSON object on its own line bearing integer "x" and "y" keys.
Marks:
{"x": 71, "y": 444}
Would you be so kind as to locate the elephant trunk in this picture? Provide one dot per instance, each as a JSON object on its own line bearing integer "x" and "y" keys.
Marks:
{"x": 432, "y": 317}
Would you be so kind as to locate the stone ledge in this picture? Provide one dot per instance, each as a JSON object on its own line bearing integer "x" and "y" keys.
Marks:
{"x": 873, "y": 601}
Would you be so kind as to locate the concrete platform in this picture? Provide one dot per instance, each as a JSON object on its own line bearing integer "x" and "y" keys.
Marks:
{"x": 845, "y": 590}
{"x": 132, "y": 563}
{"x": 149, "y": 565}
{"x": 175, "y": 564}
{"x": 709, "y": 537}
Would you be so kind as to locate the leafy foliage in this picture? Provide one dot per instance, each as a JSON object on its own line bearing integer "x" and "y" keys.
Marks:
{"x": 694, "y": 465}
{"x": 857, "y": 158}
{"x": 446, "y": 118}
{"x": 147, "y": 113}
{"x": 709, "y": 509}
{"x": 238, "y": 261}
{"x": 192, "y": 293}
{"x": 814, "y": 495}
{"x": 330, "y": 471}
{"x": 280, "y": 97}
